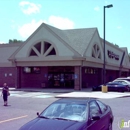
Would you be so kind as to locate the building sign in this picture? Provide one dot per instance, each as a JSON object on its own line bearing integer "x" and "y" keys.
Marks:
{"x": 112, "y": 55}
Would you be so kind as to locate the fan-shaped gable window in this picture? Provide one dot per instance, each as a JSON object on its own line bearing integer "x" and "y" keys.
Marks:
{"x": 96, "y": 52}
{"x": 42, "y": 49}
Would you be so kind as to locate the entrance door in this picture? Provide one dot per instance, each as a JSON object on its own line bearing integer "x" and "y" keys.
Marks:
{"x": 61, "y": 77}
{"x": 61, "y": 80}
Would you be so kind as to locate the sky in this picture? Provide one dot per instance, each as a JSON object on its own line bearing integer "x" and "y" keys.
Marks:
{"x": 20, "y": 18}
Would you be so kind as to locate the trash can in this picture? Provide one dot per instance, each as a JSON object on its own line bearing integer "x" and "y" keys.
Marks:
{"x": 104, "y": 89}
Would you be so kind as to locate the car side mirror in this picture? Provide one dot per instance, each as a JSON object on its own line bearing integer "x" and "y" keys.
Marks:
{"x": 95, "y": 117}
{"x": 38, "y": 114}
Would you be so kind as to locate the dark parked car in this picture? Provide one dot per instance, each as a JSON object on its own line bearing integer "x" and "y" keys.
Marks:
{"x": 114, "y": 86}
{"x": 73, "y": 114}
{"x": 123, "y": 81}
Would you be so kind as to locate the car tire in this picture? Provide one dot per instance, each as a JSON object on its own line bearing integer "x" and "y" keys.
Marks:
{"x": 110, "y": 126}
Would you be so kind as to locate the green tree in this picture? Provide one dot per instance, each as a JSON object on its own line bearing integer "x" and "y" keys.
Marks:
{"x": 116, "y": 45}
{"x": 15, "y": 41}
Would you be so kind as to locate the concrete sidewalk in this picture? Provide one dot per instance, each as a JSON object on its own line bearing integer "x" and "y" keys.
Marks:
{"x": 50, "y": 90}
{"x": 62, "y": 93}
{"x": 97, "y": 94}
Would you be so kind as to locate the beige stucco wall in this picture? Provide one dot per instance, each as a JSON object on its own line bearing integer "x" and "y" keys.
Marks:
{"x": 115, "y": 50}
{"x": 50, "y": 63}
{"x": 6, "y": 50}
{"x": 126, "y": 61}
{"x": 95, "y": 40}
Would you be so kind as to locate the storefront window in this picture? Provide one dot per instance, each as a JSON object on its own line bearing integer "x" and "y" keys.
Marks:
{"x": 34, "y": 70}
{"x": 61, "y": 76}
{"x": 91, "y": 71}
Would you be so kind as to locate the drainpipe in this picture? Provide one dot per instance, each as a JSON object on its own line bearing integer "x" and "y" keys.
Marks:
{"x": 120, "y": 70}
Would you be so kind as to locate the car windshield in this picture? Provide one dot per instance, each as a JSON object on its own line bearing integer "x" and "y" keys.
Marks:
{"x": 128, "y": 79}
{"x": 119, "y": 82}
{"x": 66, "y": 111}
{"x": 122, "y": 81}
{"x": 114, "y": 83}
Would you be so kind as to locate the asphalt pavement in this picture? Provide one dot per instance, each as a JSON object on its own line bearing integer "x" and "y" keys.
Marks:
{"x": 25, "y": 103}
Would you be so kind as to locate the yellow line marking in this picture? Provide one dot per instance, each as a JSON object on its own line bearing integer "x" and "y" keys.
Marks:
{"x": 13, "y": 119}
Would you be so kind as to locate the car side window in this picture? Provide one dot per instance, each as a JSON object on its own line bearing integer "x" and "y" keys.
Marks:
{"x": 94, "y": 109}
{"x": 102, "y": 106}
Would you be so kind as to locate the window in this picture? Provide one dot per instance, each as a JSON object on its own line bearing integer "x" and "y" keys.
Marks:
{"x": 91, "y": 70}
{"x": 102, "y": 106}
{"x": 42, "y": 49}
{"x": 71, "y": 111}
{"x": 36, "y": 69}
{"x": 96, "y": 53}
{"x": 33, "y": 53}
{"x": 38, "y": 46}
{"x": 27, "y": 69}
{"x": 46, "y": 46}
{"x": 32, "y": 70}
{"x": 52, "y": 52}
{"x": 94, "y": 109}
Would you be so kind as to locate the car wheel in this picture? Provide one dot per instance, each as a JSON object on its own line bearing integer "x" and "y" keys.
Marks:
{"x": 110, "y": 126}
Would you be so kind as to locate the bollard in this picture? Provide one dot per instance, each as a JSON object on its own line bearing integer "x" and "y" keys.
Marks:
{"x": 104, "y": 89}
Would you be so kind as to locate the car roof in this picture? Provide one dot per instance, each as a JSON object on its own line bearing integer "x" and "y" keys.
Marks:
{"x": 124, "y": 78}
{"x": 77, "y": 100}
{"x": 120, "y": 80}
{"x": 128, "y": 79}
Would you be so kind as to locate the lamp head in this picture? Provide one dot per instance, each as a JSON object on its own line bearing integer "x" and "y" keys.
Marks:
{"x": 108, "y": 6}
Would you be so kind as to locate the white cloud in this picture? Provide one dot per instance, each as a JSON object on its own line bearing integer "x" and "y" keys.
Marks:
{"x": 61, "y": 23}
{"x": 29, "y": 8}
{"x": 97, "y": 8}
{"x": 27, "y": 29}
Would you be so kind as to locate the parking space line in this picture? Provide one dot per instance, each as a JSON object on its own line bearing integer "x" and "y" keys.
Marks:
{"x": 13, "y": 119}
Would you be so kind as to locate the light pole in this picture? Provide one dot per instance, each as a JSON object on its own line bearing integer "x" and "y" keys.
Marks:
{"x": 104, "y": 65}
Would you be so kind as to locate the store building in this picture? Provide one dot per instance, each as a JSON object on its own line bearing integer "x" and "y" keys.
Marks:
{"x": 55, "y": 58}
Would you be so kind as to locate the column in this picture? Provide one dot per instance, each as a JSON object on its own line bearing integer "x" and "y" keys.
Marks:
{"x": 77, "y": 78}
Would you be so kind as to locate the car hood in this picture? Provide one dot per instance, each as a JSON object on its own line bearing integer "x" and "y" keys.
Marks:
{"x": 52, "y": 124}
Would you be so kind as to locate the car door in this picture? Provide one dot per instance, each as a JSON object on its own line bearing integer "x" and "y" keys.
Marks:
{"x": 95, "y": 124}
{"x": 113, "y": 86}
{"x": 105, "y": 116}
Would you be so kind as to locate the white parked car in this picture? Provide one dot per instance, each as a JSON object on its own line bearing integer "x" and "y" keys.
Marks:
{"x": 124, "y": 78}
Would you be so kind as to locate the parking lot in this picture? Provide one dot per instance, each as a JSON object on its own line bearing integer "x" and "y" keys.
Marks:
{"x": 23, "y": 107}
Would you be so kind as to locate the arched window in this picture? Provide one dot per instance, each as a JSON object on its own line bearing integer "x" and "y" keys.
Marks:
{"x": 42, "y": 49}
{"x": 96, "y": 53}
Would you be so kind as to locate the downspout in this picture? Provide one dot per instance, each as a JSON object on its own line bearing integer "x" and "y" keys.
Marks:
{"x": 120, "y": 70}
